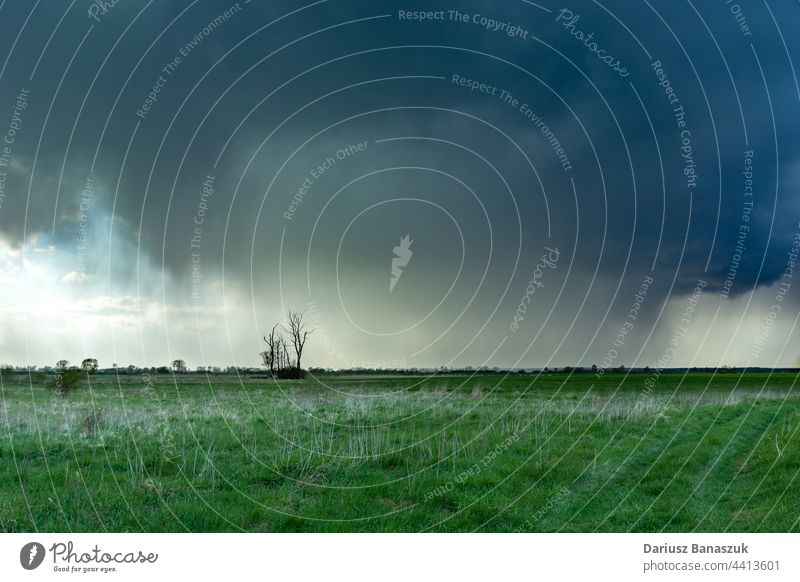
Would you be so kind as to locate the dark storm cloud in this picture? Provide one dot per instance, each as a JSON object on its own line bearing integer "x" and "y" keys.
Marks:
{"x": 650, "y": 195}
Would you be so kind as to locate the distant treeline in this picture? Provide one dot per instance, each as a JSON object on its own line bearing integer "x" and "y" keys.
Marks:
{"x": 469, "y": 371}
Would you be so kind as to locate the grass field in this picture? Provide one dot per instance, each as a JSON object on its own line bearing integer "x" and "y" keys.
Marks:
{"x": 553, "y": 453}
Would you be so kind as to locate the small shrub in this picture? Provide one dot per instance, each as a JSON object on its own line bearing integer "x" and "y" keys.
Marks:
{"x": 65, "y": 381}
{"x": 91, "y": 423}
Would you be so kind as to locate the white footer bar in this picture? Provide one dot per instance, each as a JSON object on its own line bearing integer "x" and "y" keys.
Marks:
{"x": 400, "y": 557}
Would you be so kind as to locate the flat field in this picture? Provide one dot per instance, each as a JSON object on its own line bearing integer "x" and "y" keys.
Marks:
{"x": 695, "y": 452}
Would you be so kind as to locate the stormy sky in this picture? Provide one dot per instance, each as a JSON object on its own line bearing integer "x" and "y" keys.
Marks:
{"x": 610, "y": 183}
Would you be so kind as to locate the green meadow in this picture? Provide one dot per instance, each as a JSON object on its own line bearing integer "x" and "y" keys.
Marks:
{"x": 492, "y": 453}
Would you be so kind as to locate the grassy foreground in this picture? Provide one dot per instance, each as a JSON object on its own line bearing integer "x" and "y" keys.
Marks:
{"x": 700, "y": 452}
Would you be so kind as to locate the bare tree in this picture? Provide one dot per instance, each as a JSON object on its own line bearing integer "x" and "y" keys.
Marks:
{"x": 287, "y": 361}
{"x": 283, "y": 354}
{"x": 298, "y": 333}
{"x": 270, "y": 355}
{"x": 276, "y": 357}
